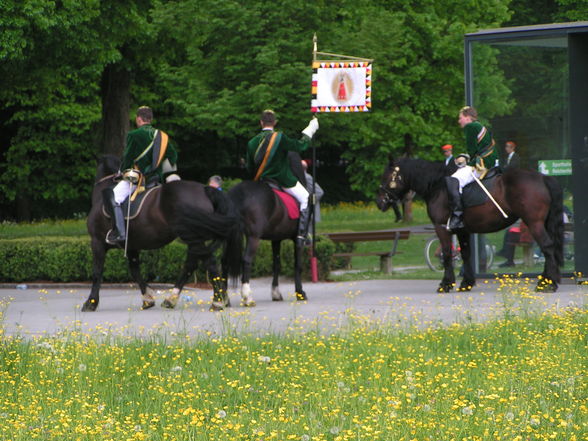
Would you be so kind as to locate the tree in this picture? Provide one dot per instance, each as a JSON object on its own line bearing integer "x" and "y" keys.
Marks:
{"x": 66, "y": 81}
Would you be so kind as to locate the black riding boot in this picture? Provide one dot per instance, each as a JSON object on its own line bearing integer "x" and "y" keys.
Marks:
{"x": 117, "y": 235}
{"x": 455, "y": 205}
{"x": 302, "y": 236}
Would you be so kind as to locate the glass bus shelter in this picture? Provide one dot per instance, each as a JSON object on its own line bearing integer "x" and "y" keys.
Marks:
{"x": 530, "y": 85}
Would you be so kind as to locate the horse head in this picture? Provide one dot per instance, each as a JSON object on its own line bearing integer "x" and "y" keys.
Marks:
{"x": 392, "y": 188}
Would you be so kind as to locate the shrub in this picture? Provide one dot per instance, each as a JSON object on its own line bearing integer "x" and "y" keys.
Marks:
{"x": 63, "y": 259}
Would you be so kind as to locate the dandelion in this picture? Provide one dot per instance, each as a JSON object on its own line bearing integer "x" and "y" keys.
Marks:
{"x": 137, "y": 428}
{"x": 509, "y": 416}
{"x": 426, "y": 408}
{"x": 305, "y": 437}
{"x": 264, "y": 359}
{"x": 221, "y": 414}
{"x": 176, "y": 369}
{"x": 340, "y": 384}
{"x": 534, "y": 421}
{"x": 334, "y": 430}
{"x": 82, "y": 367}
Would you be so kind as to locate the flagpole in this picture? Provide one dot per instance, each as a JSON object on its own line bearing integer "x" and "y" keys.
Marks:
{"x": 313, "y": 259}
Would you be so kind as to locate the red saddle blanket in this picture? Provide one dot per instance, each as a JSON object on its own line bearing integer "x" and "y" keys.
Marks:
{"x": 290, "y": 203}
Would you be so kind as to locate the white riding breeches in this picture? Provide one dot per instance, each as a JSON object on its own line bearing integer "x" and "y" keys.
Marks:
{"x": 122, "y": 191}
{"x": 465, "y": 175}
{"x": 300, "y": 193}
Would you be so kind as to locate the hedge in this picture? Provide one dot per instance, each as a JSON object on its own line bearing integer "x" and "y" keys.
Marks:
{"x": 62, "y": 259}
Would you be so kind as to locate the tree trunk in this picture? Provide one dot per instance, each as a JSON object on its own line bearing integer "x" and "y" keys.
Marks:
{"x": 116, "y": 91}
{"x": 407, "y": 203}
{"x": 23, "y": 207}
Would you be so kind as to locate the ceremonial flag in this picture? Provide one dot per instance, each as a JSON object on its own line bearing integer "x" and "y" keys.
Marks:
{"x": 341, "y": 85}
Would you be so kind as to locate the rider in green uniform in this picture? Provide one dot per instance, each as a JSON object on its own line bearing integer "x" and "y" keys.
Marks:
{"x": 148, "y": 151}
{"x": 480, "y": 147}
{"x": 267, "y": 158}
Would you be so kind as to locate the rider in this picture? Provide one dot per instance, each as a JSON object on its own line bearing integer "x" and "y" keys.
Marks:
{"x": 480, "y": 147}
{"x": 148, "y": 152}
{"x": 267, "y": 157}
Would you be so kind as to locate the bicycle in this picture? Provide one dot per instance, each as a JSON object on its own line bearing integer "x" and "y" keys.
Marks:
{"x": 434, "y": 255}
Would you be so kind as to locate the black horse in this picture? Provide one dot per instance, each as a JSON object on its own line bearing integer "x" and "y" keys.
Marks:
{"x": 524, "y": 194}
{"x": 199, "y": 215}
{"x": 264, "y": 217}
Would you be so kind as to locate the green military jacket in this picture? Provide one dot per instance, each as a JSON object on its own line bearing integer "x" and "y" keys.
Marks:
{"x": 137, "y": 141}
{"x": 480, "y": 145}
{"x": 277, "y": 167}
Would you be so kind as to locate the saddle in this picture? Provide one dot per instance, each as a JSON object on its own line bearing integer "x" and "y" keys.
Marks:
{"x": 136, "y": 205}
{"x": 289, "y": 202}
{"x": 472, "y": 195}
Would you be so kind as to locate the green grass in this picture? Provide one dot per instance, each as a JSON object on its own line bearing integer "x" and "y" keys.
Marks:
{"x": 512, "y": 379}
{"x": 53, "y": 228}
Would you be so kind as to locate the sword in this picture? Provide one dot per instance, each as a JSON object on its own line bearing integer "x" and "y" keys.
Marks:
{"x": 128, "y": 215}
{"x": 488, "y": 194}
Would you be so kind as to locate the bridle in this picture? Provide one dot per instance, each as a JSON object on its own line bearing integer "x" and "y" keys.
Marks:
{"x": 389, "y": 189}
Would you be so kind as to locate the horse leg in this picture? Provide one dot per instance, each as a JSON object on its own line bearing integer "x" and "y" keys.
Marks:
{"x": 190, "y": 265}
{"x": 98, "y": 256}
{"x": 250, "y": 250}
{"x": 220, "y": 298}
{"x": 298, "y": 249}
{"x": 551, "y": 271}
{"x": 135, "y": 270}
{"x": 276, "y": 268}
{"x": 448, "y": 281}
{"x": 469, "y": 278}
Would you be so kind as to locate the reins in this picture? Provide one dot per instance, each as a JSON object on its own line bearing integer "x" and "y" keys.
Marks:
{"x": 105, "y": 178}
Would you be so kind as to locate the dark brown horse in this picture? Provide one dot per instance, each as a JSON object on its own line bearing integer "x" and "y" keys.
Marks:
{"x": 199, "y": 215}
{"x": 524, "y": 194}
{"x": 264, "y": 217}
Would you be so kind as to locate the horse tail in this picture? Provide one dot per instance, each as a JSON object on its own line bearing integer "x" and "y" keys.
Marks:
{"x": 233, "y": 250}
{"x": 194, "y": 227}
{"x": 554, "y": 224}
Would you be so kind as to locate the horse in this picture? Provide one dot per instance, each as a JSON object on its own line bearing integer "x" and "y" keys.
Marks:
{"x": 526, "y": 194}
{"x": 265, "y": 217}
{"x": 200, "y": 216}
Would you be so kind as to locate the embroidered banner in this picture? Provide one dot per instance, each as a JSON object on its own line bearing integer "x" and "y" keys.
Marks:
{"x": 341, "y": 86}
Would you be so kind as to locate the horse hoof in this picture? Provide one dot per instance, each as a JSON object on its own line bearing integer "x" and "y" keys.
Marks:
{"x": 277, "y": 299}
{"x": 90, "y": 306}
{"x": 546, "y": 286}
{"x": 465, "y": 286}
{"x": 445, "y": 288}
{"x": 167, "y": 304}
{"x": 216, "y": 306}
{"x": 148, "y": 304}
{"x": 248, "y": 303}
{"x": 300, "y": 296}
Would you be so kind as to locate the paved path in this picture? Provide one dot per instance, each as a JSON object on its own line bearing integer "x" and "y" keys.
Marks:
{"x": 36, "y": 311}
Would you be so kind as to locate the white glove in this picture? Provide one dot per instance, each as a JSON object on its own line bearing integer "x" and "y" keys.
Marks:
{"x": 311, "y": 128}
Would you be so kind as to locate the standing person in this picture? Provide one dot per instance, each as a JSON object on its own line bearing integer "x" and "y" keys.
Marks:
{"x": 511, "y": 158}
{"x": 267, "y": 158}
{"x": 149, "y": 152}
{"x": 447, "y": 150}
{"x": 216, "y": 181}
{"x": 318, "y": 191}
{"x": 450, "y": 166}
{"x": 480, "y": 147}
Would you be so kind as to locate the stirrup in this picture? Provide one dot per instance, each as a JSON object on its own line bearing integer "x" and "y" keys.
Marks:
{"x": 114, "y": 241}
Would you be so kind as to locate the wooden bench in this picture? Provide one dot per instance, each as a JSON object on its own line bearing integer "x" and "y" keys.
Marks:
{"x": 527, "y": 244}
{"x": 371, "y": 236}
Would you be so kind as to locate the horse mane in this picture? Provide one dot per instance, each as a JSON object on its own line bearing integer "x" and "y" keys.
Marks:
{"x": 426, "y": 178}
{"x": 107, "y": 165}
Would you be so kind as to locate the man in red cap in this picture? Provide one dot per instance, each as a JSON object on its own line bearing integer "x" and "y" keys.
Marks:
{"x": 447, "y": 150}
